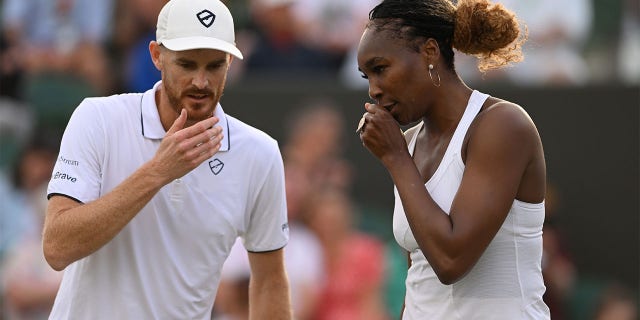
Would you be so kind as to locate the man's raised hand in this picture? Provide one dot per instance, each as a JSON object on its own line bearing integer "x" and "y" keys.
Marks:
{"x": 184, "y": 149}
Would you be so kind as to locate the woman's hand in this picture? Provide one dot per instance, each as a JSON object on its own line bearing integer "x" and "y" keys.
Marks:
{"x": 381, "y": 134}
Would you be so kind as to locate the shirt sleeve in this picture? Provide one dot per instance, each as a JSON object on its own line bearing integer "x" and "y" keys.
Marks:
{"x": 268, "y": 227}
{"x": 77, "y": 172}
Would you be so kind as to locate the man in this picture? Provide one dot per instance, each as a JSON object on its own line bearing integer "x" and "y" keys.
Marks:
{"x": 151, "y": 190}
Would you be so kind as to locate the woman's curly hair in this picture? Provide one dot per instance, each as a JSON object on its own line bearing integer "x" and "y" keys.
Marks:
{"x": 476, "y": 27}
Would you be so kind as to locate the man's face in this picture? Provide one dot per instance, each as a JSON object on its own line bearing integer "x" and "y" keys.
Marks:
{"x": 191, "y": 79}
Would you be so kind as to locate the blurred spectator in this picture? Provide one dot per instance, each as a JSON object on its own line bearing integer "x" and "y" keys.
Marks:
{"x": 134, "y": 29}
{"x": 333, "y": 26}
{"x": 553, "y": 54}
{"x": 16, "y": 126}
{"x": 601, "y": 298}
{"x": 570, "y": 294}
{"x": 559, "y": 272}
{"x": 303, "y": 254}
{"x": 313, "y": 160}
{"x": 232, "y": 299}
{"x": 629, "y": 45}
{"x": 29, "y": 284}
{"x": 354, "y": 261}
{"x": 395, "y": 274}
{"x": 60, "y": 36}
{"x": 273, "y": 47}
{"x": 304, "y": 261}
{"x": 617, "y": 302}
{"x": 20, "y": 198}
{"x": 13, "y": 223}
{"x": 11, "y": 73}
{"x": 558, "y": 269}
{"x": 556, "y": 40}
{"x": 313, "y": 154}
{"x": 304, "y": 265}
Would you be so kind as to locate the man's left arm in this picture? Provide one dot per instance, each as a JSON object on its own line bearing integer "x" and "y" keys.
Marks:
{"x": 269, "y": 296}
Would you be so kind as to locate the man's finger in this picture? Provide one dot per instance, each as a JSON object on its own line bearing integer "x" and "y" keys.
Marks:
{"x": 178, "y": 123}
{"x": 201, "y": 127}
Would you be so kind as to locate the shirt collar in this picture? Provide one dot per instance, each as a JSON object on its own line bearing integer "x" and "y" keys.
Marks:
{"x": 152, "y": 127}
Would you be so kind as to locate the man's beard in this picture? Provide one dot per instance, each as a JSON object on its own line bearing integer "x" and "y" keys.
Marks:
{"x": 175, "y": 101}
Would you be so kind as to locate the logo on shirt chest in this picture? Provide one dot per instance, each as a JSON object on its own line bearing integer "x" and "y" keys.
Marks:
{"x": 216, "y": 166}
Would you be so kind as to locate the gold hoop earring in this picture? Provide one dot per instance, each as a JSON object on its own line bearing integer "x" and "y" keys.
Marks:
{"x": 437, "y": 74}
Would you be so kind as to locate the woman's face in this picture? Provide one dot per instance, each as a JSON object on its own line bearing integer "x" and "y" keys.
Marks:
{"x": 397, "y": 74}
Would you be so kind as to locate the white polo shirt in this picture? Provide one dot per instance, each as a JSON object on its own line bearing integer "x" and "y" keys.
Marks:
{"x": 165, "y": 264}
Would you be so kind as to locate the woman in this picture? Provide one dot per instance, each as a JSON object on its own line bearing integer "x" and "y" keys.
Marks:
{"x": 470, "y": 176}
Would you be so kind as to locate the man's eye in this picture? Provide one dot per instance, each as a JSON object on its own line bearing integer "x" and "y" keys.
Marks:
{"x": 364, "y": 76}
{"x": 215, "y": 66}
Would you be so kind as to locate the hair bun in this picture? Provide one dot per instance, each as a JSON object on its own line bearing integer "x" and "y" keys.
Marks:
{"x": 489, "y": 31}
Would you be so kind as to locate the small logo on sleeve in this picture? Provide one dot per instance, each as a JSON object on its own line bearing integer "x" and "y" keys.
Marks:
{"x": 285, "y": 227}
{"x": 216, "y": 166}
{"x": 69, "y": 161}
{"x": 64, "y": 176}
{"x": 206, "y": 17}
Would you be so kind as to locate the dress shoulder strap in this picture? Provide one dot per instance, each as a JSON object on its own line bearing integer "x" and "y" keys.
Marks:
{"x": 474, "y": 105}
{"x": 414, "y": 134}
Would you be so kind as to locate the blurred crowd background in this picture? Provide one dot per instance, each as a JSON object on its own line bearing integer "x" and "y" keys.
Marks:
{"x": 299, "y": 82}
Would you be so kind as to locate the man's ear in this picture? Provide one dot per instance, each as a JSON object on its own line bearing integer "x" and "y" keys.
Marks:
{"x": 430, "y": 50}
{"x": 155, "y": 51}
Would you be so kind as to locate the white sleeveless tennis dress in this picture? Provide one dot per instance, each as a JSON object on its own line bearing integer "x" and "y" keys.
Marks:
{"x": 506, "y": 282}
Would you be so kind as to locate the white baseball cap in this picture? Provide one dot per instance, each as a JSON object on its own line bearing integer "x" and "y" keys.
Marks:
{"x": 196, "y": 24}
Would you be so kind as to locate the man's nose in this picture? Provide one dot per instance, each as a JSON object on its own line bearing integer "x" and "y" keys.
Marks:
{"x": 200, "y": 80}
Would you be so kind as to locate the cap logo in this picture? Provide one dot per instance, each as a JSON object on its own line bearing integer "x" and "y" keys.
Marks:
{"x": 206, "y": 17}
